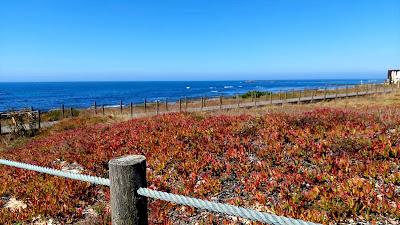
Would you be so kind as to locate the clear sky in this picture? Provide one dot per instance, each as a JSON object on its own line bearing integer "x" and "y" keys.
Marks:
{"x": 57, "y": 40}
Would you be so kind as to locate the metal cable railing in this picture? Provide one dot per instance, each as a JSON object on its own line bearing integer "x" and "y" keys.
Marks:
{"x": 179, "y": 199}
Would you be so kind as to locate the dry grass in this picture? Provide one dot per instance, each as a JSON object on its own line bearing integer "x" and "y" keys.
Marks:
{"x": 373, "y": 102}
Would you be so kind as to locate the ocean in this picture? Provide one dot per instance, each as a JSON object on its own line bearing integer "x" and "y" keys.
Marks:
{"x": 49, "y": 95}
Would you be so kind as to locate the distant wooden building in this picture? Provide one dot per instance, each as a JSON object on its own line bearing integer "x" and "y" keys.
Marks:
{"x": 393, "y": 76}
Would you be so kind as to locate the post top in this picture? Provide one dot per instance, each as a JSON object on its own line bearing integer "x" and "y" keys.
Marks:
{"x": 127, "y": 160}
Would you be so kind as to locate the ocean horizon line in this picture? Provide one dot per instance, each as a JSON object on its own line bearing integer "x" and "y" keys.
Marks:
{"x": 228, "y": 80}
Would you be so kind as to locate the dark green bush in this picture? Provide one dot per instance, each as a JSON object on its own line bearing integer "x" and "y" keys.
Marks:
{"x": 256, "y": 94}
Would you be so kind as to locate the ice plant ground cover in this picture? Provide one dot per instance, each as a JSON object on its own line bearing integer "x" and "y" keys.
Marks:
{"x": 323, "y": 165}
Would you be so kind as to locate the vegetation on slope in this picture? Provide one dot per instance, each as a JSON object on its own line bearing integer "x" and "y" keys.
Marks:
{"x": 323, "y": 165}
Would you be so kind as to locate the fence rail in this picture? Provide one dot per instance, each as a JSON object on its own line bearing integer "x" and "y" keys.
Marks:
{"x": 128, "y": 193}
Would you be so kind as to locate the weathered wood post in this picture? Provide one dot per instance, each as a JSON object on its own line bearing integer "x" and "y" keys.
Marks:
{"x": 95, "y": 108}
{"x": 131, "y": 109}
{"x": 128, "y": 174}
{"x": 347, "y": 91}
{"x": 0, "y": 123}
{"x": 220, "y": 102}
{"x": 325, "y": 92}
{"x": 205, "y": 98}
{"x": 63, "y": 111}
{"x": 71, "y": 112}
{"x": 166, "y": 104}
{"x": 180, "y": 105}
{"x": 158, "y": 106}
{"x": 280, "y": 96}
{"x": 312, "y": 95}
{"x": 300, "y": 95}
{"x": 238, "y": 100}
{"x": 336, "y": 92}
{"x": 102, "y": 109}
{"x": 39, "y": 119}
{"x": 120, "y": 106}
{"x": 285, "y": 96}
{"x": 255, "y": 99}
{"x": 270, "y": 97}
{"x": 186, "y": 104}
{"x": 145, "y": 105}
{"x": 356, "y": 90}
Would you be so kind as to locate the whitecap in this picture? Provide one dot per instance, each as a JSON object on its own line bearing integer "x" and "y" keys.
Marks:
{"x": 226, "y": 87}
{"x": 112, "y": 106}
{"x": 188, "y": 87}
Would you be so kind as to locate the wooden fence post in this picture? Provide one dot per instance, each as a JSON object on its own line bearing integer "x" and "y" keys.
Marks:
{"x": 280, "y": 97}
{"x": 120, "y": 106}
{"x": 0, "y": 123}
{"x": 325, "y": 91}
{"x": 128, "y": 174}
{"x": 39, "y": 119}
{"x": 95, "y": 108}
{"x": 186, "y": 104}
{"x": 238, "y": 100}
{"x": 270, "y": 98}
{"x": 102, "y": 109}
{"x": 312, "y": 95}
{"x": 202, "y": 102}
{"x": 347, "y": 91}
{"x": 145, "y": 105}
{"x": 158, "y": 106}
{"x": 220, "y": 102}
{"x": 300, "y": 95}
{"x": 336, "y": 92}
{"x": 166, "y": 104}
{"x": 63, "y": 111}
{"x": 285, "y": 96}
{"x": 72, "y": 112}
{"x": 131, "y": 109}
{"x": 180, "y": 105}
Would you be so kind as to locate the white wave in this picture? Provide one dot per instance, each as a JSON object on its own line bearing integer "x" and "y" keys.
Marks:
{"x": 214, "y": 91}
{"x": 112, "y": 106}
{"x": 226, "y": 87}
{"x": 188, "y": 87}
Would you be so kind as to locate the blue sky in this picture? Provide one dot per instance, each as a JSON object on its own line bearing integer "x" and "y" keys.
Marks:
{"x": 67, "y": 40}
